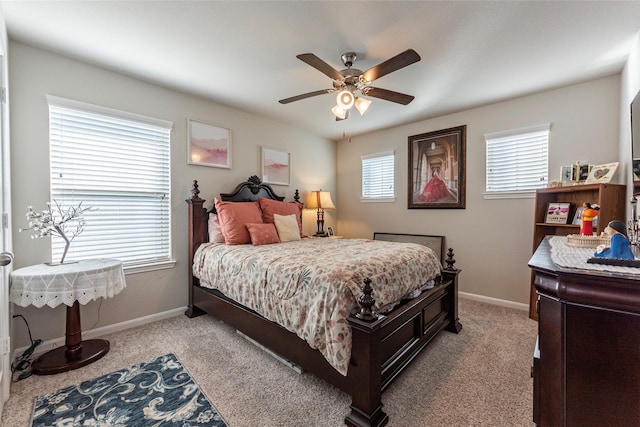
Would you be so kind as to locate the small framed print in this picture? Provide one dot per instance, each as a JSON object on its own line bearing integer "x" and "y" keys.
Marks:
{"x": 577, "y": 218}
{"x": 583, "y": 172}
{"x": 209, "y": 145}
{"x": 602, "y": 173}
{"x": 275, "y": 166}
{"x": 557, "y": 213}
{"x": 568, "y": 174}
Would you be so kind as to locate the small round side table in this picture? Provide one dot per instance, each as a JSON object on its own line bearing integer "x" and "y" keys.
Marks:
{"x": 70, "y": 284}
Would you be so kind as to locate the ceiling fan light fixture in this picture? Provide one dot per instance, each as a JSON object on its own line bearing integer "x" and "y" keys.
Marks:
{"x": 339, "y": 112}
{"x": 351, "y": 82}
{"x": 345, "y": 99}
{"x": 362, "y": 105}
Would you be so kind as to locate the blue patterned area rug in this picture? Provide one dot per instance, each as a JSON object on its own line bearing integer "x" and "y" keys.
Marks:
{"x": 157, "y": 393}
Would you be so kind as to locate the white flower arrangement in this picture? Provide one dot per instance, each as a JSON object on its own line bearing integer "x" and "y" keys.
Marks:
{"x": 67, "y": 224}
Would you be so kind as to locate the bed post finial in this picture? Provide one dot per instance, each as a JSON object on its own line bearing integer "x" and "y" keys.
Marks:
{"x": 195, "y": 191}
{"x": 296, "y": 196}
{"x": 366, "y": 302}
{"x": 255, "y": 183}
{"x": 450, "y": 261}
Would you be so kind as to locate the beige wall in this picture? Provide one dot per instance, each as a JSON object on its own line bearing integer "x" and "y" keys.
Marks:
{"x": 34, "y": 73}
{"x": 492, "y": 238}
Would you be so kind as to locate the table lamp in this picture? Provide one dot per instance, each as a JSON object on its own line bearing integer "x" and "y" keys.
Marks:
{"x": 320, "y": 200}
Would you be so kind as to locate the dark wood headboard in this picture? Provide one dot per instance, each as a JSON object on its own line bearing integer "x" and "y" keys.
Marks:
{"x": 248, "y": 191}
{"x": 251, "y": 190}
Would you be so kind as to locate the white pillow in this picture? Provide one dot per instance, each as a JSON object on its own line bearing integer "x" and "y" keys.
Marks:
{"x": 287, "y": 227}
{"x": 215, "y": 231}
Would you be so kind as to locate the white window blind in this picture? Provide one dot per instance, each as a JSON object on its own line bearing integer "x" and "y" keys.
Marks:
{"x": 118, "y": 163}
{"x": 517, "y": 161}
{"x": 378, "y": 176}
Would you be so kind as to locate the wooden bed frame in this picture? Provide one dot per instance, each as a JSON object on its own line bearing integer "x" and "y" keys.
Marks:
{"x": 383, "y": 345}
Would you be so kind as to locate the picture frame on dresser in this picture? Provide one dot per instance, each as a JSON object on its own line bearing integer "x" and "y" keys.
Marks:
{"x": 577, "y": 217}
{"x": 557, "y": 213}
{"x": 568, "y": 174}
{"x": 583, "y": 172}
{"x": 602, "y": 173}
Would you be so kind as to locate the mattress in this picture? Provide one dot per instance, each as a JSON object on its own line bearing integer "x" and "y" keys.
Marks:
{"x": 311, "y": 286}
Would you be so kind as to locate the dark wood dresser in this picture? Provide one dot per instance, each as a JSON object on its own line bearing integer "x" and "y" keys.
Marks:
{"x": 586, "y": 367}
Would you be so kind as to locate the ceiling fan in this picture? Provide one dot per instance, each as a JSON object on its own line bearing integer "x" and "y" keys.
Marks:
{"x": 351, "y": 83}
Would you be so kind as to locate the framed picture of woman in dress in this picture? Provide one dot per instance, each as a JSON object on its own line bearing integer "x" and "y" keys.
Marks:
{"x": 437, "y": 169}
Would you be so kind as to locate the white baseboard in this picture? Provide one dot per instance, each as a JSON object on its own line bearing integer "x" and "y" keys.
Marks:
{"x": 494, "y": 301}
{"x": 105, "y": 330}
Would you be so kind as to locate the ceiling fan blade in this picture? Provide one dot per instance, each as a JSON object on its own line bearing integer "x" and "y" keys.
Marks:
{"x": 399, "y": 61}
{"x": 320, "y": 65}
{"x": 388, "y": 95}
{"x": 305, "y": 95}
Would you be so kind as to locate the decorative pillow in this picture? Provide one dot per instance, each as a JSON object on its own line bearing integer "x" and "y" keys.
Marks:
{"x": 270, "y": 207}
{"x": 287, "y": 227}
{"x": 215, "y": 230}
{"x": 263, "y": 234}
{"x": 234, "y": 216}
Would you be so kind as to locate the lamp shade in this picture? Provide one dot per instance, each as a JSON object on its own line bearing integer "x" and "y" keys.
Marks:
{"x": 345, "y": 99}
{"x": 339, "y": 112}
{"x": 319, "y": 200}
{"x": 362, "y": 105}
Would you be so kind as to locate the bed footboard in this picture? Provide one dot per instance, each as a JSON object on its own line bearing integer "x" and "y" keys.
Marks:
{"x": 382, "y": 346}
{"x": 385, "y": 345}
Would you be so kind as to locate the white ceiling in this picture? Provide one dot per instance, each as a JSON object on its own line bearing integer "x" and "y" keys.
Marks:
{"x": 243, "y": 54}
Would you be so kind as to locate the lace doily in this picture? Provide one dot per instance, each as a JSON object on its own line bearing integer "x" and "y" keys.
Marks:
{"x": 575, "y": 257}
{"x": 82, "y": 281}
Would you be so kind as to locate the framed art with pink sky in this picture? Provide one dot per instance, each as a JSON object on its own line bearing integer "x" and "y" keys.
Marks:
{"x": 209, "y": 145}
{"x": 275, "y": 166}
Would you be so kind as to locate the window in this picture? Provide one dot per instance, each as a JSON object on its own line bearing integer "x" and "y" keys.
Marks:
{"x": 118, "y": 163}
{"x": 517, "y": 162}
{"x": 378, "y": 176}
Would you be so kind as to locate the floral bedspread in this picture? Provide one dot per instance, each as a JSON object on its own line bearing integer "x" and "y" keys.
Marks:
{"x": 310, "y": 286}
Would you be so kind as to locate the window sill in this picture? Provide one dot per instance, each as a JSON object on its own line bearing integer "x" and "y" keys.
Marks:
{"x": 386, "y": 200}
{"x": 510, "y": 195}
{"x": 145, "y": 268}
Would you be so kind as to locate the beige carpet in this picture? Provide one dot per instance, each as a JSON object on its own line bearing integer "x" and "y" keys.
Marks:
{"x": 480, "y": 377}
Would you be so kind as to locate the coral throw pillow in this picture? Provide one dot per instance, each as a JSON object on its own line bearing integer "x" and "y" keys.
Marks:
{"x": 263, "y": 234}
{"x": 287, "y": 227}
{"x": 234, "y": 216}
{"x": 270, "y": 207}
